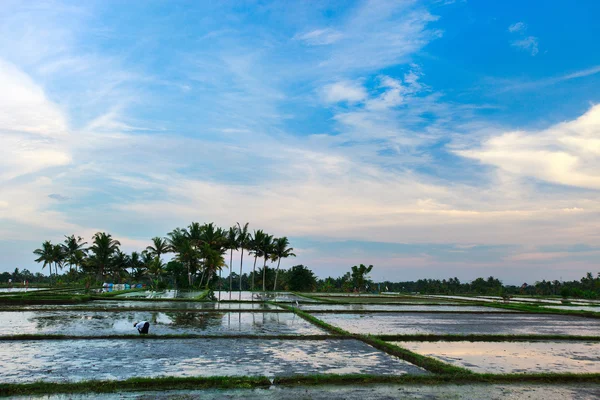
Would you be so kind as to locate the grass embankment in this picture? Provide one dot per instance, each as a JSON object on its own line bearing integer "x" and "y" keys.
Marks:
{"x": 541, "y": 309}
{"x": 484, "y": 338}
{"x": 46, "y": 299}
{"x": 167, "y": 383}
{"x": 438, "y": 379}
{"x": 135, "y": 336}
{"x": 428, "y": 363}
{"x": 196, "y": 383}
{"x": 149, "y": 309}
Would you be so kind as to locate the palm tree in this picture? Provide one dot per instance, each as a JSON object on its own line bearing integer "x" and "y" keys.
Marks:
{"x": 58, "y": 257}
{"x": 161, "y": 246}
{"x": 119, "y": 264}
{"x": 254, "y": 247}
{"x": 156, "y": 270}
{"x": 135, "y": 262}
{"x": 213, "y": 261}
{"x": 359, "y": 275}
{"x": 103, "y": 248}
{"x": 185, "y": 252}
{"x": 73, "y": 250}
{"x": 281, "y": 250}
{"x": 45, "y": 254}
{"x": 243, "y": 241}
{"x": 232, "y": 244}
{"x": 266, "y": 249}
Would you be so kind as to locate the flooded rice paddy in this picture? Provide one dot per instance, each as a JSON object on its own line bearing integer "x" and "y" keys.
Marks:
{"x": 463, "y": 324}
{"x": 514, "y": 357}
{"x": 98, "y": 323}
{"x": 77, "y": 360}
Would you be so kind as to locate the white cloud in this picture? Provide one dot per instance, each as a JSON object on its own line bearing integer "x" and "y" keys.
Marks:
{"x": 567, "y": 153}
{"x": 529, "y": 44}
{"x": 344, "y": 91}
{"x": 517, "y": 27}
{"x": 320, "y": 36}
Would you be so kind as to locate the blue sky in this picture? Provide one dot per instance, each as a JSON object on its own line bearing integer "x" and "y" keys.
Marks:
{"x": 431, "y": 139}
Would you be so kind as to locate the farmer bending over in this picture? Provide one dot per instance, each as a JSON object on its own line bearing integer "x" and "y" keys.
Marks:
{"x": 142, "y": 327}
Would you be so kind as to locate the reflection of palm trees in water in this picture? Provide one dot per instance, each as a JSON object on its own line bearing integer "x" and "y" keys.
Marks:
{"x": 60, "y": 320}
{"x": 196, "y": 319}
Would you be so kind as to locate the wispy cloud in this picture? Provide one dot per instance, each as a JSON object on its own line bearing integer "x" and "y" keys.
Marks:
{"x": 517, "y": 27}
{"x": 529, "y": 44}
{"x": 320, "y": 36}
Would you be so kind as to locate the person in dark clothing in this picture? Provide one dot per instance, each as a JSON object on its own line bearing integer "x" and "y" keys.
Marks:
{"x": 142, "y": 327}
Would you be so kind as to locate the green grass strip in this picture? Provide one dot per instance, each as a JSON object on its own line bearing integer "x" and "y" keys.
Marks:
{"x": 166, "y": 383}
{"x": 40, "y": 300}
{"x": 540, "y": 309}
{"x": 135, "y": 336}
{"x": 147, "y": 309}
{"x": 358, "y": 379}
{"x": 484, "y": 338}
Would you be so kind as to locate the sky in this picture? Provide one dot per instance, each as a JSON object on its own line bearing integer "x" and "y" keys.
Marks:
{"x": 432, "y": 139}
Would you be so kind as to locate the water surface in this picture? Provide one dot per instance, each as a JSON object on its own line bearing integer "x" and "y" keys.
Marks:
{"x": 98, "y": 323}
{"x": 463, "y": 324}
{"x": 514, "y": 357}
{"x": 76, "y": 360}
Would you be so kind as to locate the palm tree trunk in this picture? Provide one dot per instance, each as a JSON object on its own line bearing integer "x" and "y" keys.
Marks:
{"x": 276, "y": 273}
{"x": 265, "y": 275}
{"x": 254, "y": 271}
{"x": 230, "y": 273}
{"x": 241, "y": 263}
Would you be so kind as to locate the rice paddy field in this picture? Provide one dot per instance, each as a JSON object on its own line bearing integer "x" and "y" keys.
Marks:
{"x": 67, "y": 344}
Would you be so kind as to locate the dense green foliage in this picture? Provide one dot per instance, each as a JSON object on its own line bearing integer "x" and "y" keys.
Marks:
{"x": 198, "y": 257}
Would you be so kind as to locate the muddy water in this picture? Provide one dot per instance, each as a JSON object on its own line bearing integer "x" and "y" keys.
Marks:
{"x": 393, "y": 307}
{"x": 514, "y": 357}
{"x": 363, "y": 392}
{"x": 463, "y": 324}
{"x": 76, "y": 360}
{"x": 119, "y": 323}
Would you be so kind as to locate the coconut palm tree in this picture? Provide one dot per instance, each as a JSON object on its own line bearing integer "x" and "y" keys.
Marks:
{"x": 281, "y": 250}
{"x": 254, "y": 247}
{"x": 156, "y": 269}
{"x": 213, "y": 261}
{"x": 160, "y": 247}
{"x": 243, "y": 241}
{"x": 73, "y": 250}
{"x": 266, "y": 249}
{"x": 232, "y": 244}
{"x": 103, "y": 248}
{"x": 135, "y": 262}
{"x": 45, "y": 254}
{"x": 58, "y": 257}
{"x": 185, "y": 251}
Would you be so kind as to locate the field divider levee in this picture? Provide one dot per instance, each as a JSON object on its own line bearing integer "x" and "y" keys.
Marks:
{"x": 42, "y": 337}
{"x": 236, "y": 382}
{"x": 148, "y": 309}
{"x": 436, "y": 379}
{"x": 484, "y": 338}
{"x": 322, "y": 300}
{"x": 541, "y": 309}
{"x": 428, "y": 363}
{"x": 158, "y": 383}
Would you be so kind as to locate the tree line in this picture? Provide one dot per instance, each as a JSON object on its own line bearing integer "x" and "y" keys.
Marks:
{"x": 198, "y": 250}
